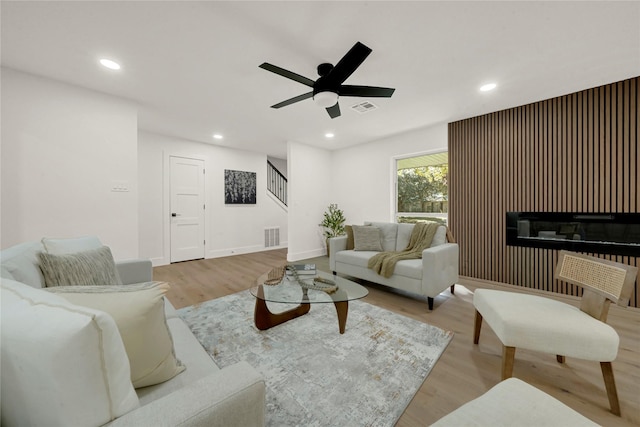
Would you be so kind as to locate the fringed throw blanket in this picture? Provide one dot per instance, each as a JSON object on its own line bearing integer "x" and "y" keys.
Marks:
{"x": 421, "y": 236}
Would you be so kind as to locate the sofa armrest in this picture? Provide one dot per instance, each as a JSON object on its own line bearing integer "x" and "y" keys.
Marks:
{"x": 336, "y": 244}
{"x": 439, "y": 268}
{"x": 135, "y": 271}
{"x": 233, "y": 396}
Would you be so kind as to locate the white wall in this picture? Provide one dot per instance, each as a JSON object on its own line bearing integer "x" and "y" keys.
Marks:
{"x": 63, "y": 149}
{"x": 310, "y": 183}
{"x": 229, "y": 229}
{"x": 363, "y": 182}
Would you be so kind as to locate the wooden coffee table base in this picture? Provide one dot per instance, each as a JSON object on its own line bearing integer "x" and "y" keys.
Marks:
{"x": 265, "y": 319}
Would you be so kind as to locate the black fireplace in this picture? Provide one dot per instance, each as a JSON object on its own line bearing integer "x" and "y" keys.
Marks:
{"x": 604, "y": 233}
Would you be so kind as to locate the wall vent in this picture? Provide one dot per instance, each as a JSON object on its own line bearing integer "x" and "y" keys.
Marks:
{"x": 364, "y": 107}
{"x": 271, "y": 237}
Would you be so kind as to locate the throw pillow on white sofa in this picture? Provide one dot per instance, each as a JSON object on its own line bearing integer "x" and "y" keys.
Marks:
{"x": 70, "y": 245}
{"x": 62, "y": 364}
{"x": 139, "y": 313}
{"x": 91, "y": 267}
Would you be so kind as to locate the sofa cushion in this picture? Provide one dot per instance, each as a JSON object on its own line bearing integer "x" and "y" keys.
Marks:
{"x": 198, "y": 362}
{"x": 389, "y": 231}
{"x": 404, "y": 236}
{"x": 411, "y": 268}
{"x": 22, "y": 263}
{"x": 62, "y": 364}
{"x": 352, "y": 257}
{"x": 366, "y": 238}
{"x": 440, "y": 238}
{"x": 92, "y": 267}
{"x": 70, "y": 246}
{"x": 139, "y": 313}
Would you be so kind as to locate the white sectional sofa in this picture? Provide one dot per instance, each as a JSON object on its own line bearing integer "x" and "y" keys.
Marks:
{"x": 201, "y": 395}
{"x": 429, "y": 276}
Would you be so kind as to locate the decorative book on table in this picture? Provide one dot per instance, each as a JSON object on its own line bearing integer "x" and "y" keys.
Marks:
{"x": 302, "y": 269}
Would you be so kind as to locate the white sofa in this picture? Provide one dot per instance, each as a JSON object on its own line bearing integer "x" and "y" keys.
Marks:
{"x": 201, "y": 395}
{"x": 429, "y": 276}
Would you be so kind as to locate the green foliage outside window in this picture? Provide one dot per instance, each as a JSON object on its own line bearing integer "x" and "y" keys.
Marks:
{"x": 423, "y": 189}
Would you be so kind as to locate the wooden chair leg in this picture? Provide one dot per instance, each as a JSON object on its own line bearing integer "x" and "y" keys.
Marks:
{"x": 560, "y": 358}
{"x": 610, "y": 385}
{"x": 477, "y": 325}
{"x": 508, "y": 359}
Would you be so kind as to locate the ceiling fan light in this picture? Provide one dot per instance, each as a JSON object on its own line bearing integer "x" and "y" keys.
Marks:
{"x": 325, "y": 99}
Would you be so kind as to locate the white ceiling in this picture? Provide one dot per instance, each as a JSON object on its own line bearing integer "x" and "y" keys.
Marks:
{"x": 192, "y": 67}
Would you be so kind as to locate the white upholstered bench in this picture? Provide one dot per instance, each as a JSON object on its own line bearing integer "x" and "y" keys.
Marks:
{"x": 513, "y": 402}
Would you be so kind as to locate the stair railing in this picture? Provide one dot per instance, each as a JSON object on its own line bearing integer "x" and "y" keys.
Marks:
{"x": 276, "y": 183}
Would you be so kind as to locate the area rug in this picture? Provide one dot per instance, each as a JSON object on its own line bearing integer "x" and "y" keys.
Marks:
{"x": 314, "y": 375}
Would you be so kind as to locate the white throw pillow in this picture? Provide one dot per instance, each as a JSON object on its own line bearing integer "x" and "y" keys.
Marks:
{"x": 21, "y": 261}
{"x": 62, "y": 364}
{"x": 139, "y": 313}
{"x": 72, "y": 245}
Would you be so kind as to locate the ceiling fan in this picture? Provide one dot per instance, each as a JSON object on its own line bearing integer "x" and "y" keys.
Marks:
{"x": 329, "y": 87}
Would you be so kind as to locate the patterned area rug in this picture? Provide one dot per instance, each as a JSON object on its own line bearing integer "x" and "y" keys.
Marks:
{"x": 314, "y": 375}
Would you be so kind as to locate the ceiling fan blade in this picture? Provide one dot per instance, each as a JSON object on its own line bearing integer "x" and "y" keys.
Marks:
{"x": 348, "y": 64}
{"x": 286, "y": 73}
{"x": 372, "y": 91}
{"x": 293, "y": 100}
{"x": 334, "y": 111}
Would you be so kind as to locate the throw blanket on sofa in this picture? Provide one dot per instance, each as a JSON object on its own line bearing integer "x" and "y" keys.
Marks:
{"x": 421, "y": 236}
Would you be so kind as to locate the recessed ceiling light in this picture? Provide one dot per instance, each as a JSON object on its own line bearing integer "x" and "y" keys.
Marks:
{"x": 488, "y": 87}
{"x": 112, "y": 65}
{"x": 217, "y": 136}
{"x": 329, "y": 135}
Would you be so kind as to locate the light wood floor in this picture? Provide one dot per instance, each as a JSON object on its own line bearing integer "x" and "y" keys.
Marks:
{"x": 465, "y": 370}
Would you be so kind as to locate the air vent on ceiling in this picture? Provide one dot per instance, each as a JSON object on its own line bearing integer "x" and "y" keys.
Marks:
{"x": 364, "y": 107}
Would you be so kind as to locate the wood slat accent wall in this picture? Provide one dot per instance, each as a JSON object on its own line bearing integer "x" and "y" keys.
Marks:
{"x": 574, "y": 153}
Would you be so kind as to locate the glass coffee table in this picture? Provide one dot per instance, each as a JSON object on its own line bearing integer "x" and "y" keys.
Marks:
{"x": 289, "y": 291}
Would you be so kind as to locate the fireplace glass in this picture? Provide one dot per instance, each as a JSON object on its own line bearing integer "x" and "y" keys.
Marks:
{"x": 605, "y": 233}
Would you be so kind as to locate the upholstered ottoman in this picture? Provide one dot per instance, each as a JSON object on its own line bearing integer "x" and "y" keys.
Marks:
{"x": 543, "y": 324}
{"x": 514, "y": 403}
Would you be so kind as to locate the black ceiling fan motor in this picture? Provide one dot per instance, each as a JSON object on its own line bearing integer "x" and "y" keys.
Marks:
{"x": 331, "y": 79}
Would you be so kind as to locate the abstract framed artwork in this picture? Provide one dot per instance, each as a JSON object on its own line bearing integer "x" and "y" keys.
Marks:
{"x": 239, "y": 187}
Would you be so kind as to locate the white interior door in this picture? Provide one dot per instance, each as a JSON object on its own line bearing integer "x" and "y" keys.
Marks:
{"x": 187, "y": 209}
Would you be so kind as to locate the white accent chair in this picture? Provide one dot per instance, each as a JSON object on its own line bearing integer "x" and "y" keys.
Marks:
{"x": 543, "y": 324}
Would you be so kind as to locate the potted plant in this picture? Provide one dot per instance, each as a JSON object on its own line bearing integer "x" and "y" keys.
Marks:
{"x": 333, "y": 223}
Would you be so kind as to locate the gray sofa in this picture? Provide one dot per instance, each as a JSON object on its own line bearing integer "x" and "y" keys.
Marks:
{"x": 429, "y": 276}
{"x": 201, "y": 395}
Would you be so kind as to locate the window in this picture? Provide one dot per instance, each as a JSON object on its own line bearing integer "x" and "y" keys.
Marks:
{"x": 421, "y": 188}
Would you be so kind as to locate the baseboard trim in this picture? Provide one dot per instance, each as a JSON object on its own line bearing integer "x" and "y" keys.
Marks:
{"x": 304, "y": 255}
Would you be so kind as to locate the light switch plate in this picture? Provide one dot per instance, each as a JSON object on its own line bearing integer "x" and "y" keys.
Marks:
{"x": 120, "y": 186}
